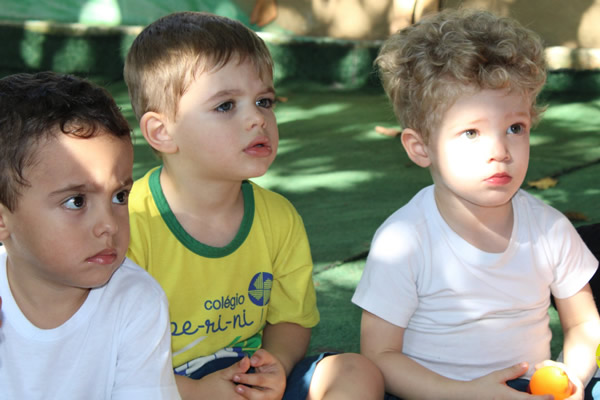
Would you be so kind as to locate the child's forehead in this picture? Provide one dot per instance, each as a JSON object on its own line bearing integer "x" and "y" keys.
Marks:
{"x": 485, "y": 105}
{"x": 233, "y": 77}
{"x": 469, "y": 94}
{"x": 59, "y": 149}
{"x": 211, "y": 65}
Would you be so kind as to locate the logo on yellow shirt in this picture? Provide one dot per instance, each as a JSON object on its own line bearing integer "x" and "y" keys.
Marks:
{"x": 259, "y": 290}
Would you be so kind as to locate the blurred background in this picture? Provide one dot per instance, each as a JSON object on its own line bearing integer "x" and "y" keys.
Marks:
{"x": 85, "y": 36}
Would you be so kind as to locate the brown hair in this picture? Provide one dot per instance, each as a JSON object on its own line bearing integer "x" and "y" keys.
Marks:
{"x": 166, "y": 55}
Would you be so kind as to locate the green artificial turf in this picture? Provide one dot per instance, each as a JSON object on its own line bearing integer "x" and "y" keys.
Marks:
{"x": 345, "y": 179}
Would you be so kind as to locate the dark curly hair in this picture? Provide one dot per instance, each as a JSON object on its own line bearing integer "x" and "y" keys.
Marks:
{"x": 39, "y": 106}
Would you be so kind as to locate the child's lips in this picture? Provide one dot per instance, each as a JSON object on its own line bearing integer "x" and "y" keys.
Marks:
{"x": 499, "y": 179}
{"x": 259, "y": 147}
{"x": 105, "y": 257}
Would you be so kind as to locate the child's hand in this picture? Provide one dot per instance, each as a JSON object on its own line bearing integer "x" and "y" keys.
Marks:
{"x": 575, "y": 383}
{"x": 217, "y": 385}
{"x": 268, "y": 380}
{"x": 493, "y": 386}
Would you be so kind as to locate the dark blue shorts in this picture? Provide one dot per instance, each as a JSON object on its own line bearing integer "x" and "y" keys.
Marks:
{"x": 298, "y": 382}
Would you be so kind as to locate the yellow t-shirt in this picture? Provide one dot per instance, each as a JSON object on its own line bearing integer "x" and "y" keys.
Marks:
{"x": 221, "y": 298}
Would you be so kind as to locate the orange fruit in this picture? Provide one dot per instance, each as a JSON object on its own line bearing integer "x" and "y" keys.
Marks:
{"x": 551, "y": 380}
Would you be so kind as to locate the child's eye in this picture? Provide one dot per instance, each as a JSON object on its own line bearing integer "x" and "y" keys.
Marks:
{"x": 515, "y": 129}
{"x": 265, "y": 103}
{"x": 224, "y": 107}
{"x": 75, "y": 202}
{"x": 121, "y": 197}
{"x": 470, "y": 134}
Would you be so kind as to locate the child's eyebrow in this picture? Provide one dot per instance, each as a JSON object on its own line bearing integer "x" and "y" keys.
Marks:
{"x": 520, "y": 114}
{"x": 85, "y": 187}
{"x": 70, "y": 188}
{"x": 222, "y": 94}
{"x": 524, "y": 114}
{"x": 232, "y": 92}
{"x": 461, "y": 125}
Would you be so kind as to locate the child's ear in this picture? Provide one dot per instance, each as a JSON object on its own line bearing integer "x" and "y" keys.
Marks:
{"x": 154, "y": 128}
{"x": 415, "y": 147}
{"x": 4, "y": 233}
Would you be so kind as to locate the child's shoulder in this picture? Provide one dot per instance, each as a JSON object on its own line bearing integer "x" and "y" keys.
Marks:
{"x": 275, "y": 211}
{"x": 142, "y": 184}
{"x": 135, "y": 281}
{"x": 414, "y": 213}
{"x": 537, "y": 210}
{"x": 269, "y": 198}
{"x": 411, "y": 224}
{"x": 542, "y": 221}
{"x": 146, "y": 196}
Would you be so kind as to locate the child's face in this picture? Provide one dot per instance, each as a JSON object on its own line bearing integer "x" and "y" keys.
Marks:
{"x": 225, "y": 126}
{"x": 480, "y": 152}
{"x": 71, "y": 226}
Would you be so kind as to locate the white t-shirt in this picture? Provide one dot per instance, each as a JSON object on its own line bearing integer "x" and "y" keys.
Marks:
{"x": 116, "y": 346}
{"x": 467, "y": 312}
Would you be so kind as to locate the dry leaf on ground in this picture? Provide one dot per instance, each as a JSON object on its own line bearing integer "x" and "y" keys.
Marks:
{"x": 392, "y": 132}
{"x": 576, "y": 216}
{"x": 543, "y": 183}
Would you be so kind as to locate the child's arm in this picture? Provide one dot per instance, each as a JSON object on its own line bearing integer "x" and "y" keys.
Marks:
{"x": 581, "y": 326}
{"x": 382, "y": 343}
{"x": 288, "y": 342}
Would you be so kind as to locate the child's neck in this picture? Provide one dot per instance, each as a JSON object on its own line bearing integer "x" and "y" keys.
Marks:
{"x": 45, "y": 306}
{"x": 488, "y": 229}
{"x": 211, "y": 212}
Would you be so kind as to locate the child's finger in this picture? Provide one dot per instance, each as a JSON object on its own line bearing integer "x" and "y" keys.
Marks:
{"x": 243, "y": 365}
{"x": 240, "y": 367}
{"x": 259, "y": 381}
{"x": 259, "y": 393}
{"x": 261, "y": 357}
{"x": 254, "y": 380}
{"x": 250, "y": 393}
{"x": 513, "y": 372}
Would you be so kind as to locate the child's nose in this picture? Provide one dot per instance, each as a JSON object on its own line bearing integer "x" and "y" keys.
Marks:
{"x": 499, "y": 149}
{"x": 255, "y": 119}
{"x": 107, "y": 223}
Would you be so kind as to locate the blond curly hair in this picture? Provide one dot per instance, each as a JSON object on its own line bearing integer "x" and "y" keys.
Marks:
{"x": 425, "y": 67}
